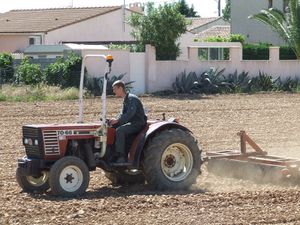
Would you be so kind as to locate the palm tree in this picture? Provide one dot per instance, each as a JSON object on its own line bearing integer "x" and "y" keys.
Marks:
{"x": 286, "y": 24}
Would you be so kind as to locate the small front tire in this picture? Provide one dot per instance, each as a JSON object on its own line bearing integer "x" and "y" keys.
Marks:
{"x": 33, "y": 184}
{"x": 69, "y": 177}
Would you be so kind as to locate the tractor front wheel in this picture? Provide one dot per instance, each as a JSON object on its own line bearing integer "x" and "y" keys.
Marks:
{"x": 33, "y": 184}
{"x": 69, "y": 177}
{"x": 172, "y": 160}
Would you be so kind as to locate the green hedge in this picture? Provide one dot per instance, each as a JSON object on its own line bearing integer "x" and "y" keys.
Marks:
{"x": 65, "y": 72}
{"x": 256, "y": 52}
{"x": 6, "y": 68}
{"x": 286, "y": 53}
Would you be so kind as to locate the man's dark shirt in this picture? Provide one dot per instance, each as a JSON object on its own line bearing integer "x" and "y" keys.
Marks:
{"x": 132, "y": 112}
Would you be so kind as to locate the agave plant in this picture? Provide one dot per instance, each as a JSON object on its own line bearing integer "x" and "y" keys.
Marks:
{"x": 238, "y": 82}
{"x": 212, "y": 81}
{"x": 287, "y": 84}
{"x": 185, "y": 83}
{"x": 286, "y": 24}
{"x": 263, "y": 82}
{"x": 95, "y": 84}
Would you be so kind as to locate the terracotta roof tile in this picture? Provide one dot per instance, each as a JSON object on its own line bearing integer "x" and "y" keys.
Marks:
{"x": 221, "y": 31}
{"x": 199, "y": 21}
{"x": 43, "y": 20}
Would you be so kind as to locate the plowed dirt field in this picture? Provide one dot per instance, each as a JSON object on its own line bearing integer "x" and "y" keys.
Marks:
{"x": 272, "y": 120}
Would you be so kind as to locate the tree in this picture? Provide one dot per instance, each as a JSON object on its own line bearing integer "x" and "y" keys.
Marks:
{"x": 160, "y": 27}
{"x": 185, "y": 10}
{"x": 286, "y": 24}
{"x": 227, "y": 11}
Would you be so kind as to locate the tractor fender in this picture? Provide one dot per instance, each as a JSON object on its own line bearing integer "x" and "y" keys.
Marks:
{"x": 147, "y": 134}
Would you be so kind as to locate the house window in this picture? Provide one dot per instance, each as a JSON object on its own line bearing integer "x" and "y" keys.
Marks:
{"x": 270, "y": 4}
{"x": 35, "y": 40}
{"x": 213, "y": 53}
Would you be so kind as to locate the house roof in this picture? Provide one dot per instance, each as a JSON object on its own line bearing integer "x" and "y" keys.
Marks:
{"x": 221, "y": 31}
{"x": 44, "y": 20}
{"x": 35, "y": 49}
{"x": 45, "y": 49}
{"x": 199, "y": 21}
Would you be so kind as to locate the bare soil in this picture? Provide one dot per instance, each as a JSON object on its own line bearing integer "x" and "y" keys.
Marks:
{"x": 272, "y": 120}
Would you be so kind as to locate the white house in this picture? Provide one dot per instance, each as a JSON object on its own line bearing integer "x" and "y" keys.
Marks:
{"x": 93, "y": 25}
{"x": 253, "y": 30}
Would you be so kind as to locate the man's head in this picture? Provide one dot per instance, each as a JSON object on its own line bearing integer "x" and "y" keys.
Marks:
{"x": 119, "y": 88}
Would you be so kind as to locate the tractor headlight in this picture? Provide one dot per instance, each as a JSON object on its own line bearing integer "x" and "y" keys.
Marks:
{"x": 29, "y": 141}
{"x": 26, "y": 141}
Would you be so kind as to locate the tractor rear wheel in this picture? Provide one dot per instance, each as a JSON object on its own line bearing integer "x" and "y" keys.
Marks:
{"x": 172, "y": 160}
{"x": 69, "y": 177}
{"x": 126, "y": 177}
{"x": 33, "y": 183}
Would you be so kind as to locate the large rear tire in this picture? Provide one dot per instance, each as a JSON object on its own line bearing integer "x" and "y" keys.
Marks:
{"x": 172, "y": 160}
{"x": 69, "y": 177}
{"x": 33, "y": 184}
{"x": 128, "y": 177}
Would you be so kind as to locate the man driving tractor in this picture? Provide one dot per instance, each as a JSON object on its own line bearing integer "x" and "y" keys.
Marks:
{"x": 131, "y": 120}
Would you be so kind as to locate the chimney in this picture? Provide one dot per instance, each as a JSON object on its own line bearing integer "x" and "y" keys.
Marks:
{"x": 136, "y": 6}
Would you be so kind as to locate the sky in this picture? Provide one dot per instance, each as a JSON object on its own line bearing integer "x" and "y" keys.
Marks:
{"x": 205, "y": 8}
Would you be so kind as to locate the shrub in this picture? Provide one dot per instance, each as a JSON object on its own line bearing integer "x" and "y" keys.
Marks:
{"x": 255, "y": 52}
{"x": 238, "y": 82}
{"x": 208, "y": 82}
{"x": 263, "y": 82}
{"x": 216, "y": 39}
{"x": 286, "y": 53}
{"x": 56, "y": 72}
{"x": 212, "y": 81}
{"x": 232, "y": 38}
{"x": 237, "y": 38}
{"x": 185, "y": 83}
{"x": 64, "y": 72}
{"x": 288, "y": 84}
{"x": 6, "y": 68}
{"x": 29, "y": 74}
{"x": 73, "y": 64}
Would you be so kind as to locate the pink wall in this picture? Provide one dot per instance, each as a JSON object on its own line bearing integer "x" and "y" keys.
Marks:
{"x": 12, "y": 43}
{"x": 160, "y": 75}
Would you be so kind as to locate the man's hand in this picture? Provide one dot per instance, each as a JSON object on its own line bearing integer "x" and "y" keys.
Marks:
{"x": 113, "y": 122}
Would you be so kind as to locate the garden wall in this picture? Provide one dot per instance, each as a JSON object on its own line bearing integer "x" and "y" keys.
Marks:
{"x": 151, "y": 75}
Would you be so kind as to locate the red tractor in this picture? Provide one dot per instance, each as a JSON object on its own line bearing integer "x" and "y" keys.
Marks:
{"x": 60, "y": 156}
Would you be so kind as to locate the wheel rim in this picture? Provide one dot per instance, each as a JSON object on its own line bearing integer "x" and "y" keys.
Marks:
{"x": 38, "y": 181}
{"x": 177, "y": 162}
{"x": 71, "y": 178}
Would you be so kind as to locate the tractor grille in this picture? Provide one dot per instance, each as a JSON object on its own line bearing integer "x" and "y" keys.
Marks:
{"x": 51, "y": 142}
{"x": 33, "y": 151}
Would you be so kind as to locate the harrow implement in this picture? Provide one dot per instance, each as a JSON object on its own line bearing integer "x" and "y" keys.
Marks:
{"x": 255, "y": 165}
